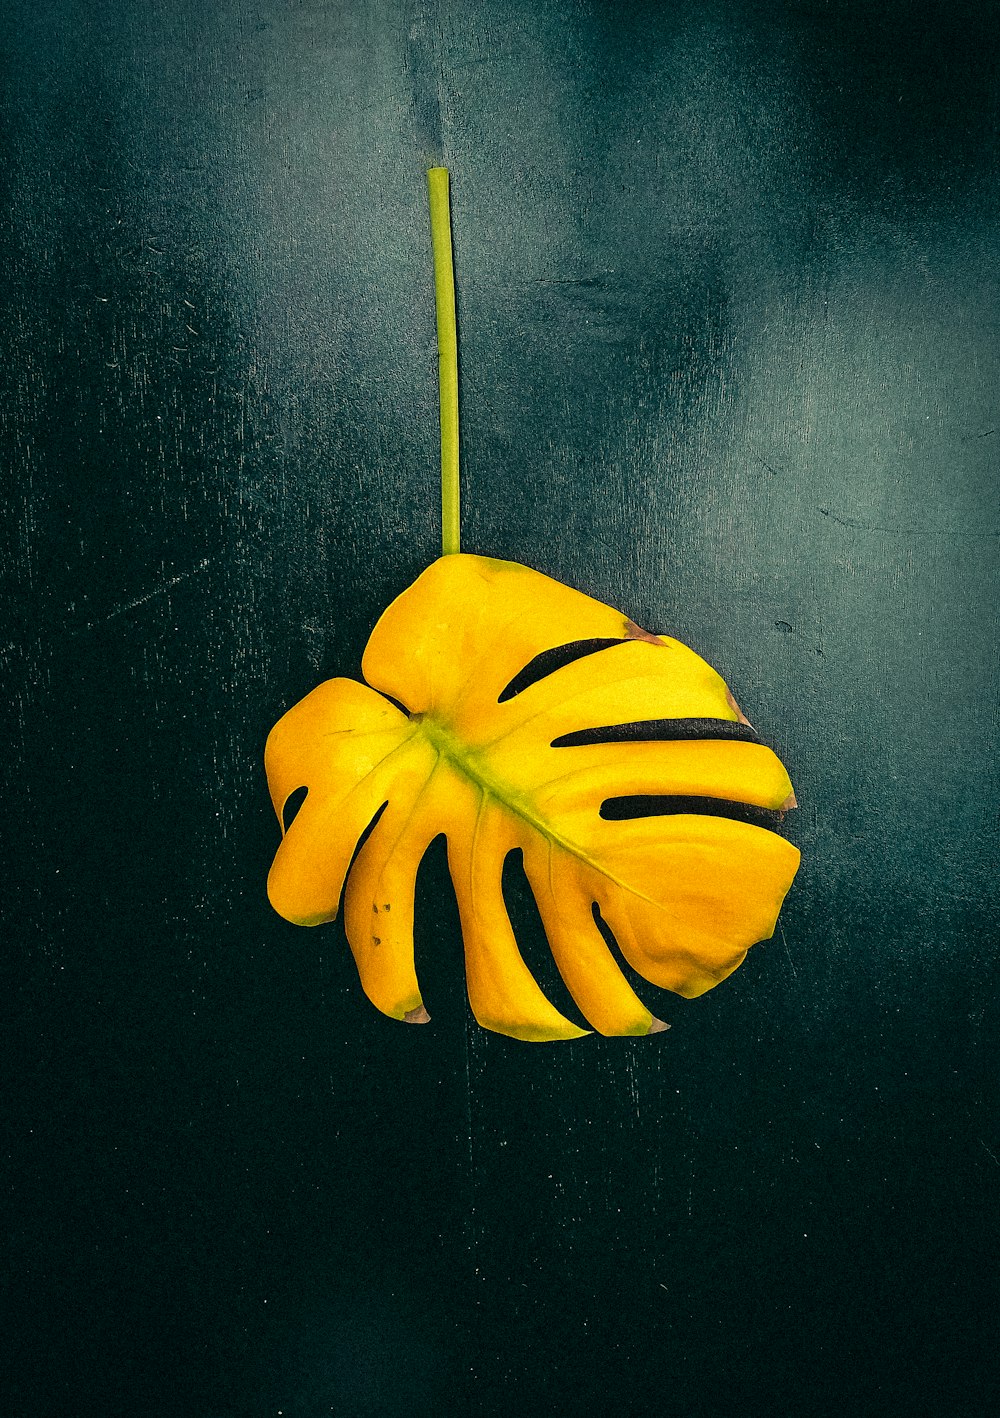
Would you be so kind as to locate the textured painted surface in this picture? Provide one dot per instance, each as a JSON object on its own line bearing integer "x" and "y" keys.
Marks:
{"x": 728, "y": 306}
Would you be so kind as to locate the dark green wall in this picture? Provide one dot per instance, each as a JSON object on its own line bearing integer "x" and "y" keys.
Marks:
{"x": 728, "y": 314}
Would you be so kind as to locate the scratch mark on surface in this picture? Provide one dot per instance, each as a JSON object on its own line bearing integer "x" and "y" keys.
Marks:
{"x": 988, "y": 1152}
{"x": 151, "y": 595}
{"x": 593, "y": 280}
{"x": 787, "y": 951}
{"x": 902, "y": 531}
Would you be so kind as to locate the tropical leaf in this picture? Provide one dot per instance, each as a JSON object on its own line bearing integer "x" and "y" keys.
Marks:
{"x": 532, "y": 717}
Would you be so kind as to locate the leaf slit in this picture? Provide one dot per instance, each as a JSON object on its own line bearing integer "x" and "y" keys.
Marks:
{"x": 627, "y": 809}
{"x": 364, "y": 838}
{"x": 396, "y": 703}
{"x": 532, "y": 945}
{"x": 639, "y": 983}
{"x": 291, "y": 805}
{"x": 660, "y": 731}
{"x": 549, "y": 661}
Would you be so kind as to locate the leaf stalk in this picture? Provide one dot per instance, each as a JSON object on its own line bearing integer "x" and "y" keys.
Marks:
{"x": 447, "y": 334}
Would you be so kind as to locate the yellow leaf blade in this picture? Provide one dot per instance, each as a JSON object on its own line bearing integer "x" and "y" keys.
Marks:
{"x": 481, "y": 653}
{"x": 464, "y": 629}
{"x": 717, "y": 886}
{"x": 345, "y": 744}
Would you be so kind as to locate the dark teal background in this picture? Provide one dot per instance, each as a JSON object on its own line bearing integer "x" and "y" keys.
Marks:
{"x": 728, "y": 319}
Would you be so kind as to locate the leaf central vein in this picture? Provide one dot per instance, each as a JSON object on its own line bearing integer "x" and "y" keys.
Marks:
{"x": 450, "y": 748}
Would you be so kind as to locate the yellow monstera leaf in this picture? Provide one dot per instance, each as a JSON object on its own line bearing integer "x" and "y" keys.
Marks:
{"x": 620, "y": 766}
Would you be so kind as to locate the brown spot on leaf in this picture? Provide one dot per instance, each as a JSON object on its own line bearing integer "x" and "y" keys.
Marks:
{"x": 417, "y": 1016}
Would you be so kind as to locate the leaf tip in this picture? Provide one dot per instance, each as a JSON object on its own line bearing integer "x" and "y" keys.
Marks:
{"x": 657, "y": 1026}
{"x": 417, "y": 1016}
{"x": 730, "y": 700}
{"x": 636, "y": 632}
